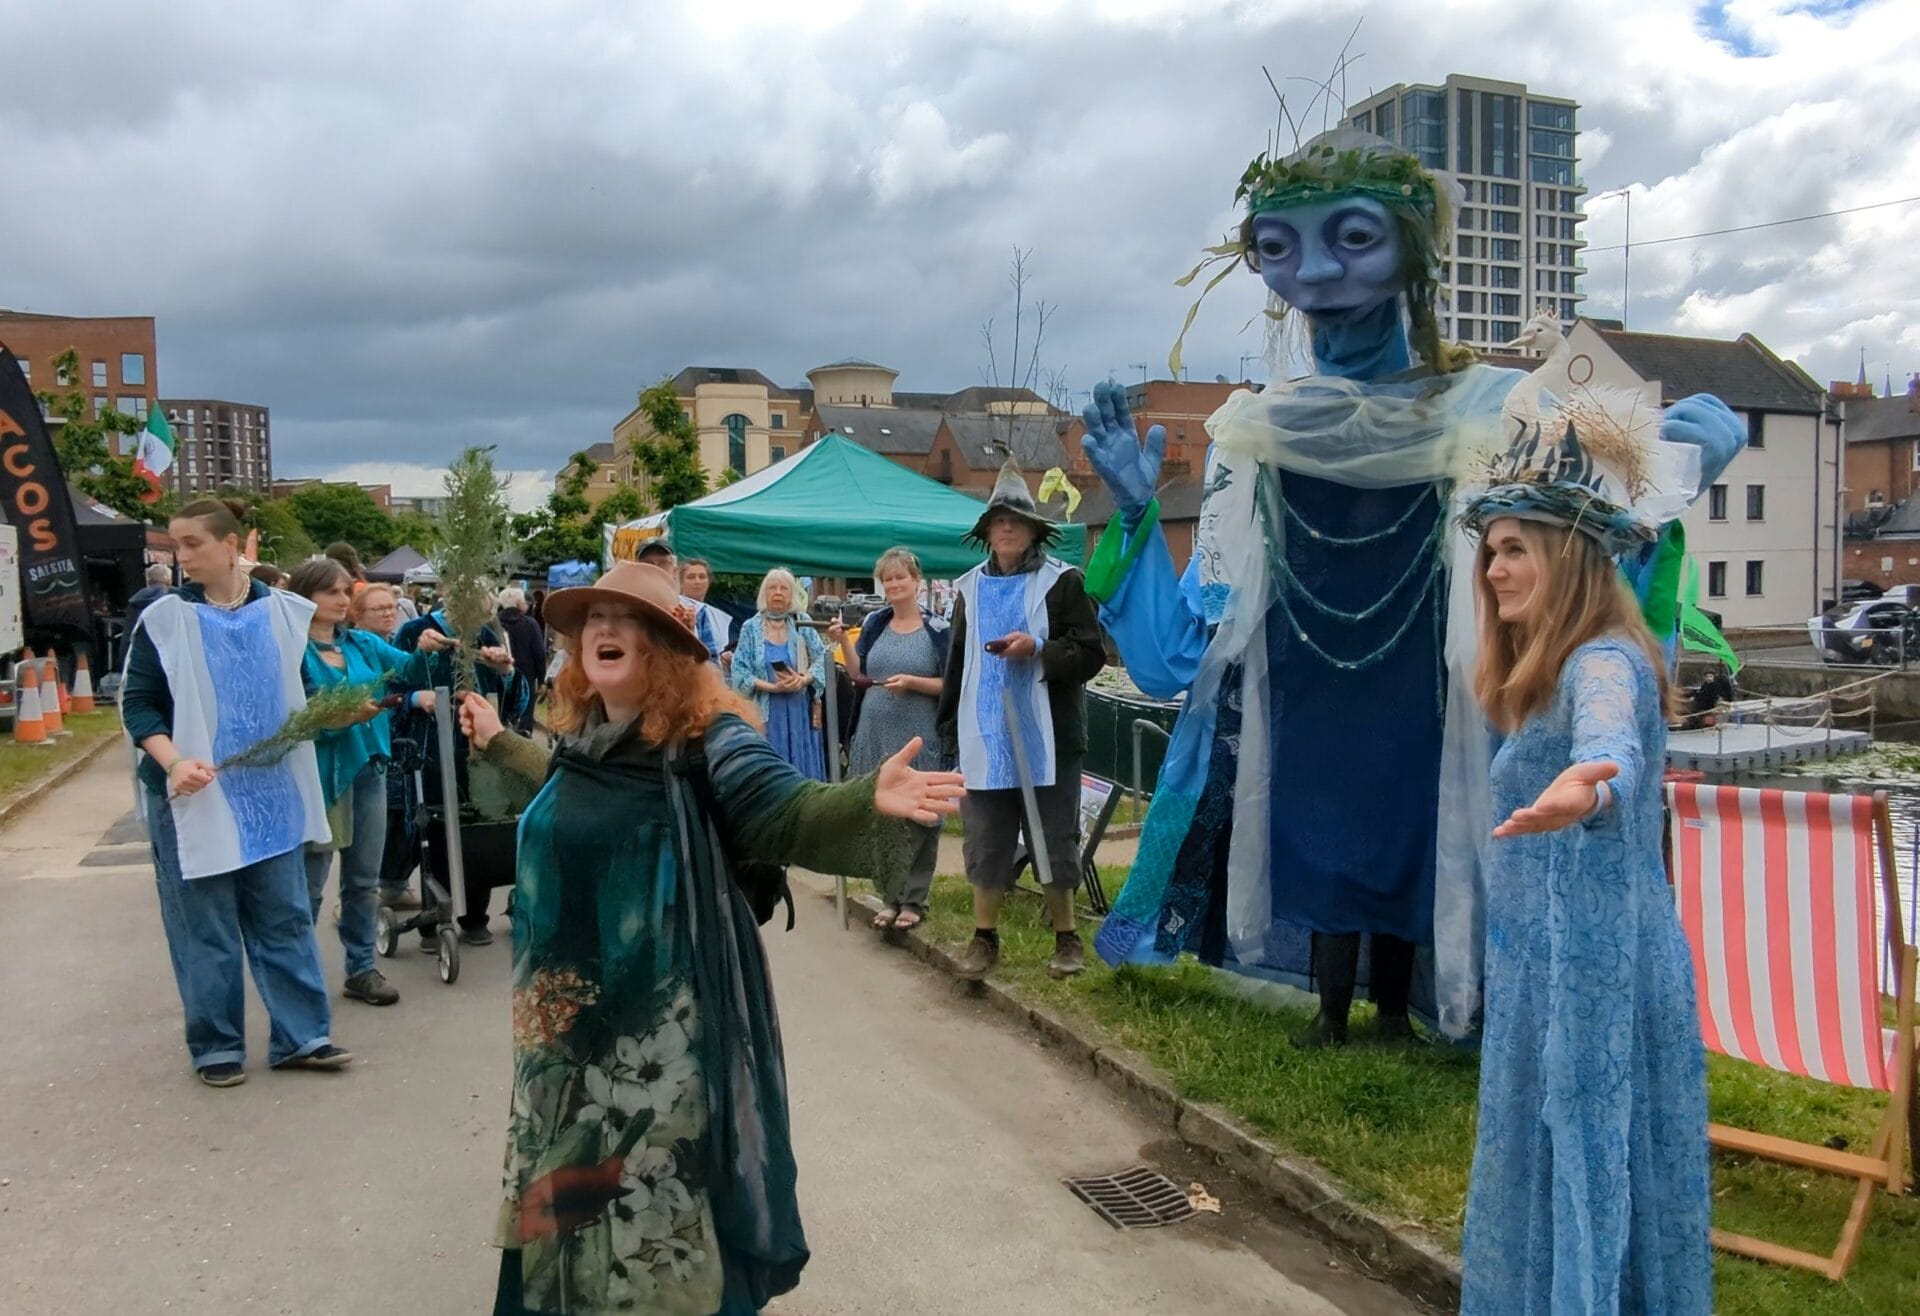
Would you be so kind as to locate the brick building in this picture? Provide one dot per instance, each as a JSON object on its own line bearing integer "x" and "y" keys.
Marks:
{"x": 219, "y": 445}
{"x": 118, "y": 366}
{"x": 1883, "y": 474}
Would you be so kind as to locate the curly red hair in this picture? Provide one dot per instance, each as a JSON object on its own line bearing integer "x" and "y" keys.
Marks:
{"x": 682, "y": 694}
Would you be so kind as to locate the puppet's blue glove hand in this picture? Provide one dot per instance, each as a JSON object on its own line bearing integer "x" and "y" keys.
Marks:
{"x": 1130, "y": 470}
{"x": 1706, "y": 423}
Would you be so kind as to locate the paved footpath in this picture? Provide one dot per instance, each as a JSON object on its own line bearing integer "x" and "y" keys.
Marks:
{"x": 932, "y": 1135}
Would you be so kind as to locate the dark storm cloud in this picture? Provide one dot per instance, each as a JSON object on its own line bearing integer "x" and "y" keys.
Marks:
{"x": 409, "y": 227}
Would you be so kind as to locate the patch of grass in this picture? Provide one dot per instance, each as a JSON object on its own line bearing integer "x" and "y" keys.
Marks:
{"x": 23, "y": 765}
{"x": 1397, "y": 1127}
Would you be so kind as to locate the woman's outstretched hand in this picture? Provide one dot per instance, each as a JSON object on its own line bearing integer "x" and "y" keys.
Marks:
{"x": 903, "y": 791}
{"x": 1573, "y": 795}
{"x": 479, "y": 723}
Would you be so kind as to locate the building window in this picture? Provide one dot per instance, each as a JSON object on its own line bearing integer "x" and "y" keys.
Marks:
{"x": 1543, "y": 141}
{"x": 1756, "y": 503}
{"x": 1542, "y": 115}
{"x": 1506, "y": 194}
{"x": 1501, "y": 276}
{"x": 133, "y": 370}
{"x": 1463, "y": 245}
{"x": 1756, "y": 429}
{"x": 1716, "y": 580}
{"x": 1569, "y": 309}
{"x": 1505, "y": 331}
{"x": 1503, "y": 221}
{"x": 1507, "y": 248}
{"x": 1500, "y": 136}
{"x": 1463, "y": 140}
{"x": 99, "y": 374}
{"x": 26, "y": 368}
{"x": 1717, "y": 503}
{"x": 777, "y": 451}
{"x": 1506, "y": 303}
{"x": 1756, "y": 578}
{"x": 737, "y": 443}
{"x": 1364, "y": 121}
{"x": 1467, "y": 274}
{"x": 1469, "y": 217}
{"x": 61, "y": 375}
{"x": 779, "y": 420}
{"x": 1547, "y": 169}
{"x": 99, "y": 407}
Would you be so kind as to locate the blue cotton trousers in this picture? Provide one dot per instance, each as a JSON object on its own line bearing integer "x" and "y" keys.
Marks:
{"x": 261, "y": 911}
{"x": 359, "y": 870}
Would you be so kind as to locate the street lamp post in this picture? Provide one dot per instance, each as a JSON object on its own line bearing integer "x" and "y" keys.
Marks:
{"x": 1626, "y": 245}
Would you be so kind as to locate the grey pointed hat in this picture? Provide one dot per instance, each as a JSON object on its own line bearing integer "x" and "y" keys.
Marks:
{"x": 1010, "y": 494}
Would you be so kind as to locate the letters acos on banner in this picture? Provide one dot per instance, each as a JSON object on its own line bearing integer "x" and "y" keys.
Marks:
{"x": 31, "y": 498}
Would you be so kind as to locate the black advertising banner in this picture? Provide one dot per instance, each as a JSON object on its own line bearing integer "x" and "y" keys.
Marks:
{"x": 33, "y": 499}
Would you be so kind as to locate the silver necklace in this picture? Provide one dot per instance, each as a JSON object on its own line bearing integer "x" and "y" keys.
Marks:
{"x": 246, "y": 592}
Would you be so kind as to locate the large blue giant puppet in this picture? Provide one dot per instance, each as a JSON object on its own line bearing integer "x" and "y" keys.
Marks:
{"x": 1328, "y": 775}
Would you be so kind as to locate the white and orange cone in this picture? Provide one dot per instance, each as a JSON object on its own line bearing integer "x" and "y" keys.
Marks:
{"x": 53, "y": 679}
{"x": 82, "y": 686}
{"x": 49, "y": 696}
{"x": 29, "y": 725}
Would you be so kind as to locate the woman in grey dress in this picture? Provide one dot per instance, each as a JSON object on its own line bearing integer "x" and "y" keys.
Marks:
{"x": 899, "y": 663}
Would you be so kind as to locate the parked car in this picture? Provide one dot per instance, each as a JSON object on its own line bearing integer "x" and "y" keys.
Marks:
{"x": 1871, "y": 631}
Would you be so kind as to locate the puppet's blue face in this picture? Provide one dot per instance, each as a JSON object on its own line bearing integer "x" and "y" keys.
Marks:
{"x": 1334, "y": 260}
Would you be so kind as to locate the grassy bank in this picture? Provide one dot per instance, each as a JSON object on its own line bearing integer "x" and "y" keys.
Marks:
{"x": 1397, "y": 1127}
{"x": 21, "y": 766}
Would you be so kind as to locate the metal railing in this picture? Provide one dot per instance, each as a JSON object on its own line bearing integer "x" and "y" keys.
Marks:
{"x": 1141, "y": 724}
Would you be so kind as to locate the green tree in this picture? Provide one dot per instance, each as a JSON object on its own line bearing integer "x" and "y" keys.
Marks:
{"x": 331, "y": 512}
{"x": 84, "y": 446}
{"x": 568, "y": 528}
{"x": 415, "y": 531}
{"x": 671, "y": 454}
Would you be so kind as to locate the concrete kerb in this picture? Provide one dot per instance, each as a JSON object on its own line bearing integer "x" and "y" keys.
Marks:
{"x": 20, "y": 803}
{"x": 1406, "y": 1257}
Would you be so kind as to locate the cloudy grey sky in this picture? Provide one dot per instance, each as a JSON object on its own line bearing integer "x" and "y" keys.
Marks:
{"x": 410, "y": 227}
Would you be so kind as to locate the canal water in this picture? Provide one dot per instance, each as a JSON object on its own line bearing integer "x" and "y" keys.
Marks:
{"x": 1892, "y": 768}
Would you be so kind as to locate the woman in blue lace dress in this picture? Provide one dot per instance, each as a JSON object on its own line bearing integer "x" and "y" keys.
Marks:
{"x": 1590, "y": 1187}
{"x": 784, "y": 667}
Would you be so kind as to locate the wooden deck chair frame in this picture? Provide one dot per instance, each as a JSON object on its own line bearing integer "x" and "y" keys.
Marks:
{"x": 1886, "y": 1162}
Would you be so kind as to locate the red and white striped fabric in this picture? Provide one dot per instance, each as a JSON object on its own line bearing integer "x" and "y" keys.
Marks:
{"x": 1776, "y": 891}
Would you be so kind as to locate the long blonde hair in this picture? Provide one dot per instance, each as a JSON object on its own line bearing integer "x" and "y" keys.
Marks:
{"x": 1581, "y": 597}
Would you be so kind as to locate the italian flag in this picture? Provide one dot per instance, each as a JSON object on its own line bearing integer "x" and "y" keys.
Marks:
{"x": 153, "y": 455}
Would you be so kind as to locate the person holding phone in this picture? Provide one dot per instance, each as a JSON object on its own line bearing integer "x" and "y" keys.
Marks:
{"x": 1020, "y": 680}
{"x": 353, "y": 762}
{"x": 784, "y": 667}
{"x": 898, "y": 664}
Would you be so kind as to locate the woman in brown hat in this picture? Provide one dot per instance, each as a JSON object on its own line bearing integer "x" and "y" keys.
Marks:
{"x": 649, "y": 1163}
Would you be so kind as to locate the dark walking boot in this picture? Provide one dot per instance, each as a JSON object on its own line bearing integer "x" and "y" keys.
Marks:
{"x": 978, "y": 961}
{"x": 1390, "y": 979}
{"x": 1069, "y": 955}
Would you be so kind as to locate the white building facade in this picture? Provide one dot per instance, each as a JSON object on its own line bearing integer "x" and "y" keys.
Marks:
{"x": 1517, "y": 244}
{"x": 1763, "y": 536}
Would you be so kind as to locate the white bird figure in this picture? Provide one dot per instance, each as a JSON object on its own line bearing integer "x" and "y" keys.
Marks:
{"x": 1548, "y": 382}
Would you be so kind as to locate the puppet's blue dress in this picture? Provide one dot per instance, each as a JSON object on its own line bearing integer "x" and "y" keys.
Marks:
{"x": 1590, "y": 1184}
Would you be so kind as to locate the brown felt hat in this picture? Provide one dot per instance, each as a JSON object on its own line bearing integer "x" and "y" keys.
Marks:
{"x": 631, "y": 584}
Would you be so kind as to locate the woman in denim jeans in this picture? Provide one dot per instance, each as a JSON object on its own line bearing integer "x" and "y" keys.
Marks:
{"x": 212, "y": 668}
{"x": 353, "y": 763}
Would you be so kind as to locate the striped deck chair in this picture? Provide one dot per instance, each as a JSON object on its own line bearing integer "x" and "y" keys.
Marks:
{"x": 1776, "y": 891}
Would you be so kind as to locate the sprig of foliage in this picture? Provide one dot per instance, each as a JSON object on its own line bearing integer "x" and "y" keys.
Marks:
{"x": 331, "y": 709}
{"x": 473, "y": 531}
{"x": 1271, "y": 182}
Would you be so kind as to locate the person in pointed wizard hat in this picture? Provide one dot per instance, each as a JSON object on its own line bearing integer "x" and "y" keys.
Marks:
{"x": 1024, "y": 643}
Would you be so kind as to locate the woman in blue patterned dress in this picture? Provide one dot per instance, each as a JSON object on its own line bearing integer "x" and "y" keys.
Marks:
{"x": 1590, "y": 1187}
{"x": 784, "y": 667}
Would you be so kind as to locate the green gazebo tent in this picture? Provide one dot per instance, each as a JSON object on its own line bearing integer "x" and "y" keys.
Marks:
{"x": 829, "y": 510}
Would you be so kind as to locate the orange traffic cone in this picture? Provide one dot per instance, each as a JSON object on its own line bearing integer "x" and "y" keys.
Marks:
{"x": 54, "y": 679}
{"x": 29, "y": 726}
{"x": 49, "y": 698}
{"x": 82, "y": 686}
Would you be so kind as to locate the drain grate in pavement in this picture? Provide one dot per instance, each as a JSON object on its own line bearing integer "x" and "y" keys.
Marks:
{"x": 1139, "y": 1198}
